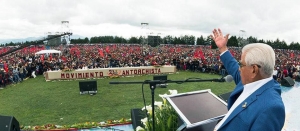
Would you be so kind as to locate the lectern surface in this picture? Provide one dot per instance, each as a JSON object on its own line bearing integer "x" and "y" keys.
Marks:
{"x": 199, "y": 106}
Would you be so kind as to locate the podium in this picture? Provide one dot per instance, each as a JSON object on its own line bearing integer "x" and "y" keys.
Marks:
{"x": 199, "y": 110}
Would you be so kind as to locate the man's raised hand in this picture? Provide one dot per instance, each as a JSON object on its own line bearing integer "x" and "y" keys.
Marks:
{"x": 220, "y": 40}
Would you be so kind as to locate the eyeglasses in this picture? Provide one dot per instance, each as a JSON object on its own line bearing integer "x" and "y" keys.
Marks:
{"x": 242, "y": 65}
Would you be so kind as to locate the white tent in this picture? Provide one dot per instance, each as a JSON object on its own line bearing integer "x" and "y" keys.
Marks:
{"x": 48, "y": 52}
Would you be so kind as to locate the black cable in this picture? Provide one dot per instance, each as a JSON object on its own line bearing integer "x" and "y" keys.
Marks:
{"x": 193, "y": 78}
{"x": 144, "y": 99}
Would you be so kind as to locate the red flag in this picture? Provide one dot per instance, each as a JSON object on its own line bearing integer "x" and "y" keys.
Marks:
{"x": 172, "y": 50}
{"x": 63, "y": 58}
{"x": 107, "y": 49}
{"x": 32, "y": 49}
{"x": 196, "y": 54}
{"x": 138, "y": 49}
{"x": 101, "y": 52}
{"x": 5, "y": 66}
{"x": 201, "y": 55}
{"x": 24, "y": 50}
{"x": 178, "y": 49}
{"x": 77, "y": 53}
{"x": 4, "y": 49}
{"x": 292, "y": 55}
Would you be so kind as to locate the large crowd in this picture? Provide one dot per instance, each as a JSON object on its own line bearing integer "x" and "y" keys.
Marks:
{"x": 24, "y": 63}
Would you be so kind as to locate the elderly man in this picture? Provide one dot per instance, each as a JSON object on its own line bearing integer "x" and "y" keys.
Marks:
{"x": 255, "y": 104}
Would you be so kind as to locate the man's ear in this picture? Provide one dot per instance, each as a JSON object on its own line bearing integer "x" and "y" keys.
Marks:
{"x": 255, "y": 70}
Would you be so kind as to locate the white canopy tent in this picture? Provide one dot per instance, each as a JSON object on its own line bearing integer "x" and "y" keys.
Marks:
{"x": 48, "y": 52}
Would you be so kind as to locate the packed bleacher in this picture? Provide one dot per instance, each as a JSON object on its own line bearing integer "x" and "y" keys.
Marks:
{"x": 23, "y": 64}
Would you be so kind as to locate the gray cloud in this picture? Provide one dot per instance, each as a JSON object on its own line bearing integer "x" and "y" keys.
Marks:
{"x": 269, "y": 19}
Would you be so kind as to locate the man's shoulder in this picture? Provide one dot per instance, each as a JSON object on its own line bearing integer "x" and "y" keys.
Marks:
{"x": 272, "y": 91}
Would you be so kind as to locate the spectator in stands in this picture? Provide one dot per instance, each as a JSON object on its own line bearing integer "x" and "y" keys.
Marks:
{"x": 84, "y": 67}
{"x": 21, "y": 72}
{"x": 290, "y": 70}
{"x": 16, "y": 77}
{"x": 182, "y": 56}
{"x": 9, "y": 77}
{"x": 275, "y": 73}
{"x": 285, "y": 72}
{"x": 295, "y": 73}
{"x": 2, "y": 78}
{"x": 33, "y": 68}
{"x": 280, "y": 75}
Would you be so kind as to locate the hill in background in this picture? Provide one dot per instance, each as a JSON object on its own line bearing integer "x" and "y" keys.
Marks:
{"x": 3, "y": 41}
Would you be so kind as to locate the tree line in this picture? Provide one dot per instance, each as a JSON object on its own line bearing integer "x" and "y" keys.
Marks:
{"x": 182, "y": 40}
{"x": 187, "y": 40}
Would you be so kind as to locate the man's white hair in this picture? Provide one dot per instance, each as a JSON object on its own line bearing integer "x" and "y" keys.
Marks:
{"x": 260, "y": 54}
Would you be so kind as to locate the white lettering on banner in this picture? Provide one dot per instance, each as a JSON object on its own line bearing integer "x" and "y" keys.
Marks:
{"x": 103, "y": 72}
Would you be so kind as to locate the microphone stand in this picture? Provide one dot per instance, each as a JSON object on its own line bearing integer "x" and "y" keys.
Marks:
{"x": 153, "y": 84}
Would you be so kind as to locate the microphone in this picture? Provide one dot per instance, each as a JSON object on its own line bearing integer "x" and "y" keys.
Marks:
{"x": 228, "y": 78}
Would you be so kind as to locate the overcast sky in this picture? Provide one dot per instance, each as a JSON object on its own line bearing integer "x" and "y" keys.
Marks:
{"x": 264, "y": 19}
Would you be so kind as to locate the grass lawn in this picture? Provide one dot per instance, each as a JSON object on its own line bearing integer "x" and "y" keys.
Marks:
{"x": 37, "y": 102}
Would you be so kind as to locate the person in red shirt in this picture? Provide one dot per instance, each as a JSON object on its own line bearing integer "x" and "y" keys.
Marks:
{"x": 285, "y": 72}
{"x": 5, "y": 66}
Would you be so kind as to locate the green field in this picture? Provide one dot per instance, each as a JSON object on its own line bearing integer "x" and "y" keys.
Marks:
{"x": 37, "y": 102}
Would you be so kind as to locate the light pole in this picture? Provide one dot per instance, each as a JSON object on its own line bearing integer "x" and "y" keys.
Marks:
{"x": 241, "y": 39}
{"x": 242, "y": 33}
{"x": 144, "y": 28}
